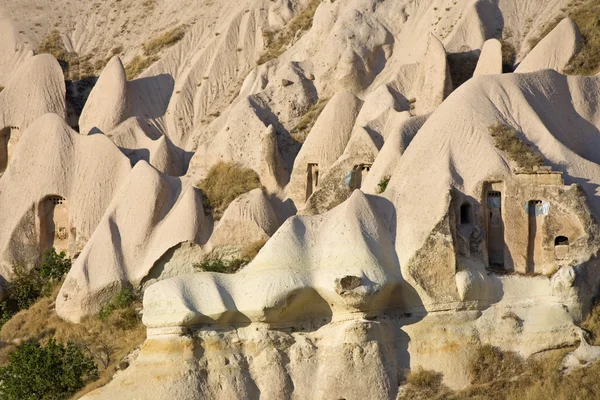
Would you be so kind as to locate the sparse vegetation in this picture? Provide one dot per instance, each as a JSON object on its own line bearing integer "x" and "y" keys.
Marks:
{"x": 276, "y": 43}
{"x": 382, "y": 185}
{"x": 546, "y": 29}
{"x": 138, "y": 65}
{"x": 587, "y": 59}
{"x": 506, "y": 139}
{"x": 27, "y": 285}
{"x": 307, "y": 121}
{"x": 224, "y": 182}
{"x": 105, "y": 341}
{"x": 490, "y": 364}
{"x": 509, "y": 54}
{"x": 217, "y": 263}
{"x": 422, "y": 384}
{"x": 586, "y": 13}
{"x": 121, "y": 310}
{"x": 75, "y": 67}
{"x": 165, "y": 40}
{"x": 501, "y": 375}
{"x": 50, "y": 371}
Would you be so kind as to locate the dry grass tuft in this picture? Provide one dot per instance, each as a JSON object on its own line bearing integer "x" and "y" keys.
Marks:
{"x": 224, "y": 182}
{"x": 509, "y": 54}
{"x": 422, "y": 384}
{"x": 301, "y": 131}
{"x": 138, "y": 65}
{"x": 277, "y": 43}
{"x": 490, "y": 364}
{"x": 165, "y": 40}
{"x": 586, "y": 13}
{"x": 587, "y": 59}
{"x": 506, "y": 139}
{"x": 75, "y": 67}
{"x": 106, "y": 341}
{"x": 498, "y": 375}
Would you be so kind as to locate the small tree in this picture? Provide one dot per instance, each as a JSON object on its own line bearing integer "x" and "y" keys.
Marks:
{"x": 45, "y": 372}
{"x": 54, "y": 265}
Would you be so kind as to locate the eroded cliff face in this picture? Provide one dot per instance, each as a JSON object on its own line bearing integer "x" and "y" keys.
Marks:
{"x": 398, "y": 233}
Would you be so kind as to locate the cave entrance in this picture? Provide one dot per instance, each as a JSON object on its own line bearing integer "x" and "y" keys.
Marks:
{"x": 561, "y": 247}
{"x": 361, "y": 172}
{"x": 4, "y": 138}
{"x": 495, "y": 229}
{"x": 466, "y": 215}
{"x": 54, "y": 224}
{"x": 312, "y": 178}
{"x": 535, "y": 211}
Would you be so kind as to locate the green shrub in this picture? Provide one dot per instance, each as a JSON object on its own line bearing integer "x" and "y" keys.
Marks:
{"x": 121, "y": 301}
{"x": 28, "y": 285}
{"x": 25, "y": 287}
{"x": 45, "y": 372}
{"x": 54, "y": 266}
{"x": 506, "y": 139}
{"x": 224, "y": 182}
{"x": 382, "y": 185}
{"x": 220, "y": 265}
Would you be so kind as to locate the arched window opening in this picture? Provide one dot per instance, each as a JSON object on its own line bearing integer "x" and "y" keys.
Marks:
{"x": 54, "y": 223}
{"x": 561, "y": 247}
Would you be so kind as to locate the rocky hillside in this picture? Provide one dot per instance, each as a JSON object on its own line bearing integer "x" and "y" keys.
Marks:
{"x": 301, "y": 198}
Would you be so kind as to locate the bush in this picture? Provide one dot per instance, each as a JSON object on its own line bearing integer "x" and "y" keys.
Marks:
{"x": 220, "y": 265}
{"x": 506, "y": 139}
{"x": 165, "y": 40}
{"x": 224, "y": 183}
{"x": 122, "y": 301}
{"x": 45, "y": 372}
{"x": 423, "y": 384}
{"x": 27, "y": 286}
{"x": 382, "y": 185}
{"x": 216, "y": 263}
{"x": 107, "y": 342}
{"x": 54, "y": 265}
{"x": 489, "y": 364}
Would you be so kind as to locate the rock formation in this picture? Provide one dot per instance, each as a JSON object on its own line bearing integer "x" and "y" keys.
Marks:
{"x": 408, "y": 217}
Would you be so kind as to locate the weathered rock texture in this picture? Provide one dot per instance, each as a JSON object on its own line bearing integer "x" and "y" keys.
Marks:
{"x": 464, "y": 247}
